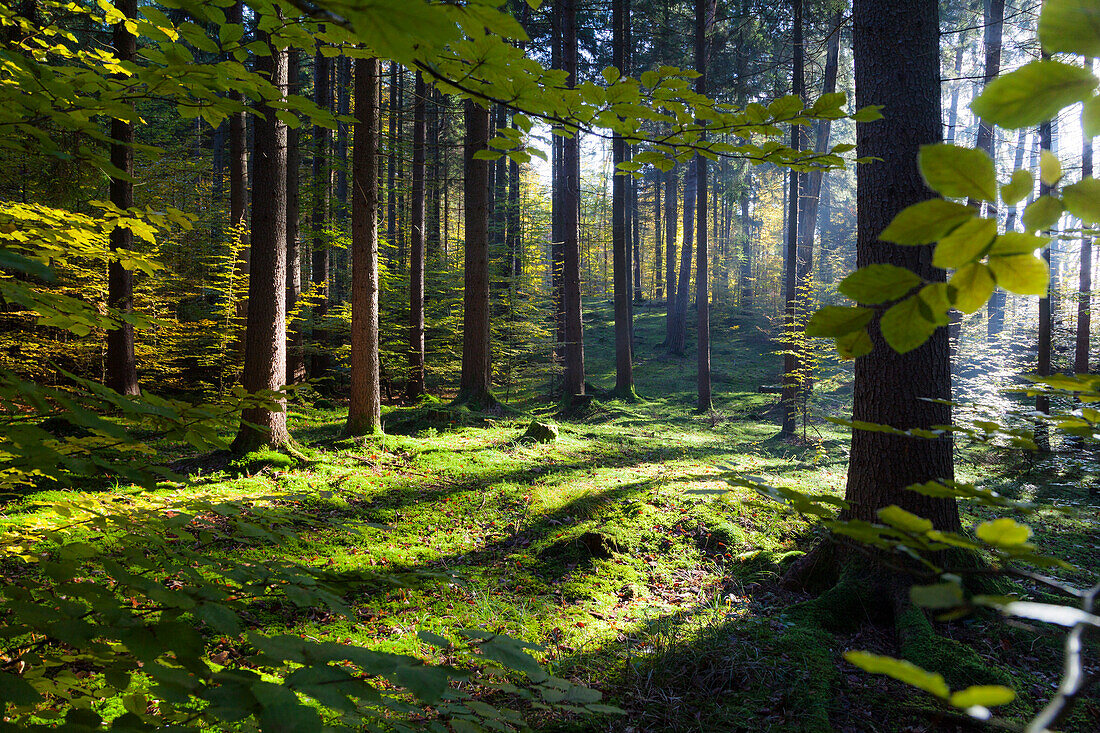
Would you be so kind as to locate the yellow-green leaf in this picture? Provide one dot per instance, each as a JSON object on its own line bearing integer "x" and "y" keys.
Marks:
{"x": 1032, "y": 93}
{"x": 983, "y": 695}
{"x": 1003, "y": 532}
{"x": 903, "y": 326}
{"x": 854, "y": 344}
{"x": 966, "y": 244}
{"x": 897, "y": 517}
{"x": 958, "y": 172}
{"x": 1017, "y": 189}
{"x": 878, "y": 283}
{"x": 833, "y": 321}
{"x": 1021, "y": 274}
{"x": 901, "y": 670}
{"x": 1017, "y": 243}
{"x": 926, "y": 222}
{"x": 1070, "y": 26}
{"x": 1042, "y": 213}
{"x": 1083, "y": 200}
{"x": 1050, "y": 168}
{"x": 971, "y": 287}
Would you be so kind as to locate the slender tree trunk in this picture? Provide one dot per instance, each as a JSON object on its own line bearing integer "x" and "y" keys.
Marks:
{"x": 702, "y": 257}
{"x": 265, "y": 333}
{"x": 953, "y": 110}
{"x": 415, "y": 385}
{"x": 121, "y": 365}
{"x": 678, "y": 342}
{"x": 557, "y": 252}
{"x": 620, "y": 254}
{"x": 435, "y": 183}
{"x": 295, "y": 358}
{"x": 343, "y": 106}
{"x": 791, "y": 364}
{"x": 1042, "y": 402}
{"x": 319, "y": 273}
{"x": 745, "y": 277}
{"x": 892, "y": 388}
{"x": 658, "y": 243}
{"x": 515, "y": 243}
{"x": 672, "y": 184}
{"x": 1084, "y": 285}
{"x": 365, "y": 407}
{"x": 391, "y": 167}
{"x": 238, "y": 194}
{"x": 571, "y": 197}
{"x": 476, "y": 385}
{"x": 996, "y": 321}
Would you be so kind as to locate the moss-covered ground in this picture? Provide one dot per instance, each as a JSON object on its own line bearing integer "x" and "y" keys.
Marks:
{"x": 606, "y": 548}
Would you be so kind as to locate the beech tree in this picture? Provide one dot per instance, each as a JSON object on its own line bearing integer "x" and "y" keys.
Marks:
{"x": 570, "y": 197}
{"x": 475, "y": 388}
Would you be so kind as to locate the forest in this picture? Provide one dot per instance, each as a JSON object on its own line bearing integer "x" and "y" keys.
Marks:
{"x": 557, "y": 365}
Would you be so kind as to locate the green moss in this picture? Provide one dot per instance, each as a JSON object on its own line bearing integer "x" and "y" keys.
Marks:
{"x": 264, "y": 458}
{"x": 959, "y": 664}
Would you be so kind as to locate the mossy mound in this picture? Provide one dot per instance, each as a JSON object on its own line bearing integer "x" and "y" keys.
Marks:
{"x": 540, "y": 432}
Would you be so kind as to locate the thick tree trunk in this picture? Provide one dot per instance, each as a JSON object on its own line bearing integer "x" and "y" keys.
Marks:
{"x": 265, "y": 333}
{"x": 892, "y": 388}
{"x": 672, "y": 184}
{"x": 295, "y": 358}
{"x": 557, "y": 251}
{"x": 571, "y": 198}
{"x": 391, "y": 165}
{"x": 792, "y": 395}
{"x": 319, "y": 273}
{"x": 1084, "y": 284}
{"x": 702, "y": 257}
{"x": 475, "y": 388}
{"x": 678, "y": 342}
{"x": 365, "y": 407}
{"x": 620, "y": 253}
{"x": 121, "y": 365}
{"x": 415, "y": 385}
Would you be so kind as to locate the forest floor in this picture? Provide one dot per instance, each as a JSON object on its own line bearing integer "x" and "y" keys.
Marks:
{"x": 621, "y": 549}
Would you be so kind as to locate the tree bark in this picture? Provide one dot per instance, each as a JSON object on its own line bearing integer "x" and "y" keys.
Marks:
{"x": 1084, "y": 283}
{"x": 121, "y": 364}
{"x": 365, "y": 407}
{"x": 319, "y": 272}
{"x": 265, "y": 332}
{"x": 415, "y": 385}
{"x": 678, "y": 342}
{"x": 792, "y": 395}
{"x": 476, "y": 384}
{"x": 571, "y": 197}
{"x": 295, "y": 358}
{"x": 892, "y": 388}
{"x": 658, "y": 243}
{"x": 620, "y": 254}
{"x": 702, "y": 257}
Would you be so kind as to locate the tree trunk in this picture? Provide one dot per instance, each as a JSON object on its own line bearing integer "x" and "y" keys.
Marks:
{"x": 658, "y": 243}
{"x": 295, "y": 358}
{"x": 415, "y": 385}
{"x": 476, "y": 385}
{"x": 365, "y": 407}
{"x": 1042, "y": 402}
{"x": 343, "y": 106}
{"x": 571, "y": 197}
{"x": 557, "y": 252}
{"x": 792, "y": 395}
{"x": 678, "y": 342}
{"x": 620, "y": 254}
{"x": 1084, "y": 285}
{"x": 702, "y": 258}
{"x": 672, "y": 184}
{"x": 238, "y": 196}
{"x": 391, "y": 166}
{"x": 892, "y": 388}
{"x": 319, "y": 273}
{"x": 745, "y": 278}
{"x": 121, "y": 365}
{"x": 996, "y": 319}
{"x": 265, "y": 333}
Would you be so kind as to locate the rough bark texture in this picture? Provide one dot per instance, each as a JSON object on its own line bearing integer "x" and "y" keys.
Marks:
{"x": 571, "y": 201}
{"x": 365, "y": 407}
{"x": 121, "y": 365}
{"x": 415, "y": 384}
{"x": 557, "y": 252}
{"x": 319, "y": 273}
{"x": 620, "y": 253}
{"x": 702, "y": 258}
{"x": 475, "y": 387}
{"x": 295, "y": 358}
{"x": 892, "y": 388}
{"x": 791, "y": 392}
{"x": 265, "y": 332}
{"x": 1084, "y": 284}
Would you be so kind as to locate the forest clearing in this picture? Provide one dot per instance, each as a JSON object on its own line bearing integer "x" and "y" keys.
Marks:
{"x": 565, "y": 366}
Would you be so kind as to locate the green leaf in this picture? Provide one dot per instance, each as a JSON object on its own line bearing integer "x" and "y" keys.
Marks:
{"x": 926, "y": 222}
{"x": 1042, "y": 213}
{"x": 879, "y": 283}
{"x": 903, "y": 326}
{"x": 1050, "y": 168}
{"x": 1003, "y": 532}
{"x": 870, "y": 113}
{"x": 1021, "y": 274}
{"x": 833, "y": 321}
{"x": 1017, "y": 243}
{"x": 983, "y": 695}
{"x": 854, "y": 344}
{"x": 1070, "y": 26}
{"x": 897, "y": 517}
{"x": 900, "y": 669}
{"x": 966, "y": 244}
{"x": 1083, "y": 200}
{"x": 938, "y": 595}
{"x": 1090, "y": 117}
{"x": 17, "y": 691}
{"x": 958, "y": 172}
{"x": 611, "y": 74}
{"x": 1017, "y": 189}
{"x": 971, "y": 287}
{"x": 1034, "y": 93}
{"x": 13, "y": 261}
